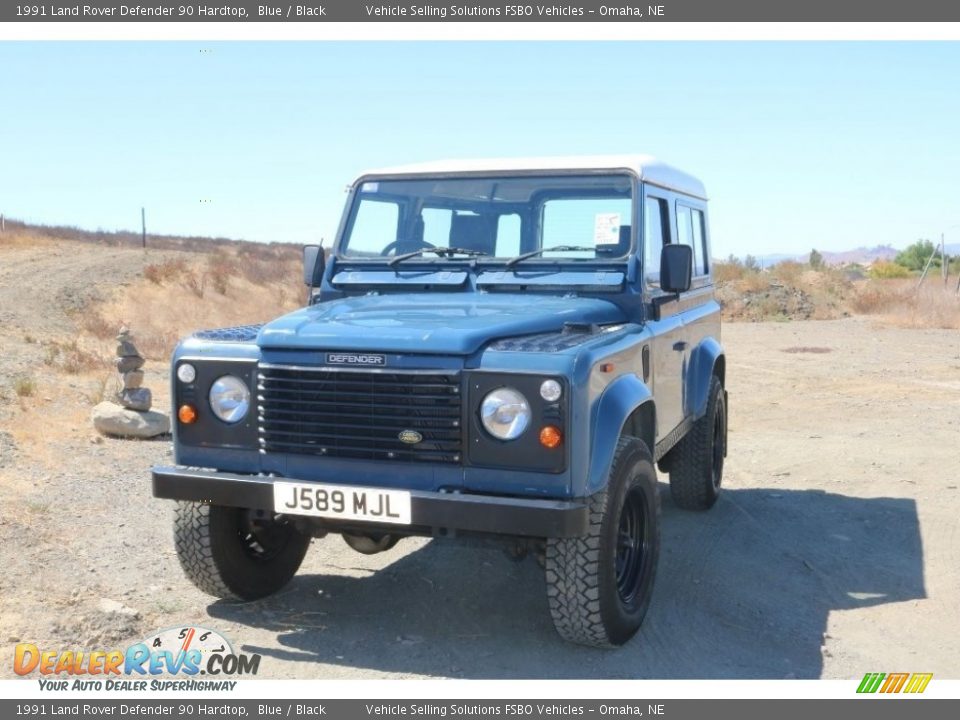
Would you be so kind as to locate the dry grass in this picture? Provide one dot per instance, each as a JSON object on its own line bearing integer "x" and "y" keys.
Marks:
{"x": 791, "y": 290}
{"x": 73, "y": 358}
{"x": 226, "y": 287}
{"x": 901, "y": 304}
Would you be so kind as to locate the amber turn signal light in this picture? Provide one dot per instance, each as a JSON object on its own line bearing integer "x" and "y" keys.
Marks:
{"x": 187, "y": 414}
{"x": 550, "y": 437}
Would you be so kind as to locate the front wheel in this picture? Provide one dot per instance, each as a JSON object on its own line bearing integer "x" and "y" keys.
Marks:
{"x": 599, "y": 585}
{"x": 236, "y": 554}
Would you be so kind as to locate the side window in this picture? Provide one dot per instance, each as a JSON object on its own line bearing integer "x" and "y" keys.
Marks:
{"x": 374, "y": 226}
{"x": 654, "y": 237}
{"x": 436, "y": 226}
{"x": 702, "y": 266}
{"x": 508, "y": 235}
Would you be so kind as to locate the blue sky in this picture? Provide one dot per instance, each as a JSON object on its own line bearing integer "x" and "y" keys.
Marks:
{"x": 800, "y": 144}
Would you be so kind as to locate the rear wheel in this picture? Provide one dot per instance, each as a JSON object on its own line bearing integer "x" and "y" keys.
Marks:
{"x": 234, "y": 553}
{"x": 599, "y": 585}
{"x": 696, "y": 462}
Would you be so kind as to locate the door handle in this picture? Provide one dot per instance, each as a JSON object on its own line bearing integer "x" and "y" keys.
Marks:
{"x": 680, "y": 345}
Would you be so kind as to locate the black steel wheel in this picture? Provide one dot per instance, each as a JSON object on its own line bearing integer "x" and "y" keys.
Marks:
{"x": 599, "y": 585}
{"x": 696, "y": 462}
{"x": 235, "y": 553}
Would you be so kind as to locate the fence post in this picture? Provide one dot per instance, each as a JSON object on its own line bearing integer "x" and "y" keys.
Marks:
{"x": 926, "y": 268}
{"x": 944, "y": 265}
{"x": 3, "y": 223}
{"x": 143, "y": 226}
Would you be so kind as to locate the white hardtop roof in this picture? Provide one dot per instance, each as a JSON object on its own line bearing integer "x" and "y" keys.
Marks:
{"x": 647, "y": 168}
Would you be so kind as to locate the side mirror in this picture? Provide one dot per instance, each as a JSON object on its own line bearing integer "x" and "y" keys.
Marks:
{"x": 676, "y": 268}
{"x": 313, "y": 265}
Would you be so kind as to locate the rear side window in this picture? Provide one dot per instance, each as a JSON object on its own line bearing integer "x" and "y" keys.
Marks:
{"x": 655, "y": 237}
{"x": 700, "y": 243}
{"x": 690, "y": 232}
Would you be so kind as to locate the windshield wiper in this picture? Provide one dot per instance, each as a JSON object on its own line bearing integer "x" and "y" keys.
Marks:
{"x": 556, "y": 248}
{"x": 441, "y": 251}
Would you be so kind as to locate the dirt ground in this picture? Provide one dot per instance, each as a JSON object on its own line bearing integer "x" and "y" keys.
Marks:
{"x": 833, "y": 551}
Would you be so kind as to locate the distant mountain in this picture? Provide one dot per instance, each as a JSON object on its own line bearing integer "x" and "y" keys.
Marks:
{"x": 858, "y": 256}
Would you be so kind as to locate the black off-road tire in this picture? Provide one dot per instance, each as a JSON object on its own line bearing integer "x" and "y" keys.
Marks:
{"x": 588, "y": 604}
{"x": 236, "y": 554}
{"x": 696, "y": 462}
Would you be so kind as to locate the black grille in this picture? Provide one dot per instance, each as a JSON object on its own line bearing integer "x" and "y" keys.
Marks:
{"x": 359, "y": 414}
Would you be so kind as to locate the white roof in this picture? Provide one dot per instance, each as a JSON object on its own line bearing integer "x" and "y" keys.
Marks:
{"x": 647, "y": 168}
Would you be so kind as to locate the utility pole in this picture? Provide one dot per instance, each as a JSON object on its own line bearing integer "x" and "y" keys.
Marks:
{"x": 143, "y": 226}
{"x": 3, "y": 223}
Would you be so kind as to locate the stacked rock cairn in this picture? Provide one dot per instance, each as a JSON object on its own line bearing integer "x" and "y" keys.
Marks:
{"x": 129, "y": 363}
{"x": 128, "y": 414}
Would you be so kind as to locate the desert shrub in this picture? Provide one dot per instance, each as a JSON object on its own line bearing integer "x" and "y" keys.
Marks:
{"x": 160, "y": 273}
{"x": 788, "y": 272}
{"x": 98, "y": 326}
{"x": 24, "y": 386}
{"x": 886, "y": 270}
{"x": 195, "y": 283}
{"x": 725, "y": 272}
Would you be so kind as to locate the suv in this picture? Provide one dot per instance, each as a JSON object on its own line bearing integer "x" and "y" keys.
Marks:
{"x": 501, "y": 348}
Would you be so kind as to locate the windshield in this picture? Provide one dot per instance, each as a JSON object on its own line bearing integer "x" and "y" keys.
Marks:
{"x": 500, "y": 217}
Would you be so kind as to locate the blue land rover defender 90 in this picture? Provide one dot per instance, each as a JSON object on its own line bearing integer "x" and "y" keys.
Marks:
{"x": 500, "y": 347}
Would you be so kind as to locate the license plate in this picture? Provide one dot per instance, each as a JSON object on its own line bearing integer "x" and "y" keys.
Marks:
{"x": 342, "y": 502}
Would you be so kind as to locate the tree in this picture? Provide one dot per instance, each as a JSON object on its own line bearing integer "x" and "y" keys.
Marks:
{"x": 915, "y": 256}
{"x": 816, "y": 260}
{"x": 751, "y": 263}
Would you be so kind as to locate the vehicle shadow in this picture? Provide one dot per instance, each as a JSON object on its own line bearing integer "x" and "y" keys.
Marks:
{"x": 743, "y": 591}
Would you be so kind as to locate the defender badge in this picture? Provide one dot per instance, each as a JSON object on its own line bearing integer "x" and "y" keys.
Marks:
{"x": 356, "y": 359}
{"x": 410, "y": 437}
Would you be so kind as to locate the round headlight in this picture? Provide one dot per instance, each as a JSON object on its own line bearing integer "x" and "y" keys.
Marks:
{"x": 229, "y": 399}
{"x": 186, "y": 373}
{"x": 550, "y": 390}
{"x": 505, "y": 413}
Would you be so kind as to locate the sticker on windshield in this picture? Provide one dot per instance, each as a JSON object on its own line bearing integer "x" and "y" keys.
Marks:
{"x": 606, "y": 229}
{"x": 369, "y": 187}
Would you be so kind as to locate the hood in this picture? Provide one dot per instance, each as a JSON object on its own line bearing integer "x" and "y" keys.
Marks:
{"x": 438, "y": 323}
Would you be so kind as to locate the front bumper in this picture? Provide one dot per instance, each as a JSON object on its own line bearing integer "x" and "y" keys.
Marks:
{"x": 430, "y": 511}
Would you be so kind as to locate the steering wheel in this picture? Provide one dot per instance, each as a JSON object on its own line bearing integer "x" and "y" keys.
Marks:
{"x": 391, "y": 246}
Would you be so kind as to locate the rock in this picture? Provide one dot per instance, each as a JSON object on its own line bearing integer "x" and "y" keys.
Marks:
{"x": 112, "y": 607}
{"x": 135, "y": 399}
{"x": 133, "y": 379}
{"x": 131, "y": 362}
{"x": 111, "y": 419}
{"x": 125, "y": 348}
